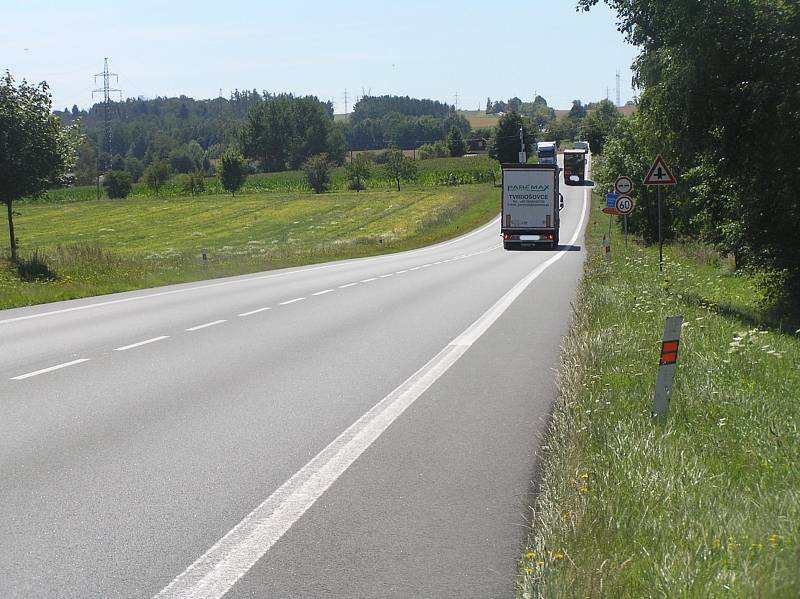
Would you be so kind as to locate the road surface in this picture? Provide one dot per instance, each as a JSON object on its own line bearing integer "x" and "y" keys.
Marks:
{"x": 365, "y": 428}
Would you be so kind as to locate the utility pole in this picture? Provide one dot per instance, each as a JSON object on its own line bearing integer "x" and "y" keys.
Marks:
{"x": 106, "y": 90}
{"x": 345, "y": 100}
{"x": 456, "y": 104}
{"x": 619, "y": 100}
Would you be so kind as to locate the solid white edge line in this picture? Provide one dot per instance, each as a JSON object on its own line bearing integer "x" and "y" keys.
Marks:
{"x": 245, "y": 280}
{"x": 230, "y": 558}
{"x": 50, "y": 369}
{"x": 369, "y": 280}
{"x": 391, "y": 274}
{"x": 141, "y": 343}
{"x": 251, "y": 312}
{"x": 323, "y": 292}
{"x": 346, "y": 285}
{"x": 208, "y": 324}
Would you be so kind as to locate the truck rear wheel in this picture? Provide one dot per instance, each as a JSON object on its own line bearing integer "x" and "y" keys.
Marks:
{"x": 508, "y": 245}
{"x": 555, "y": 240}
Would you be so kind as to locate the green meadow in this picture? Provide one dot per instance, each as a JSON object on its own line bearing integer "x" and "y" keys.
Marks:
{"x": 74, "y": 248}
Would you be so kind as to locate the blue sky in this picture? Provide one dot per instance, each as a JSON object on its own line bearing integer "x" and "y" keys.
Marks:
{"x": 425, "y": 49}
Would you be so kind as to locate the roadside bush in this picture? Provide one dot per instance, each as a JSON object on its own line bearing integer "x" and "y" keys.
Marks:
{"x": 35, "y": 269}
{"x": 318, "y": 173}
{"x": 193, "y": 183}
{"x": 117, "y": 184}
{"x": 358, "y": 171}
{"x": 437, "y": 150}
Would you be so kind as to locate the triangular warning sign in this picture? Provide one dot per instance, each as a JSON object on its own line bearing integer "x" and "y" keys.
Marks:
{"x": 659, "y": 174}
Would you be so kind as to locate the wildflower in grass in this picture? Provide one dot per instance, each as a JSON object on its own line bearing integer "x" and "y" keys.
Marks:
{"x": 530, "y": 555}
{"x": 773, "y": 540}
{"x": 584, "y": 475}
{"x": 540, "y": 563}
{"x": 756, "y": 546}
{"x": 584, "y": 489}
{"x": 558, "y": 556}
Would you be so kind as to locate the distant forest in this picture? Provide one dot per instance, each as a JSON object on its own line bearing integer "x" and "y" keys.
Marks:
{"x": 276, "y": 132}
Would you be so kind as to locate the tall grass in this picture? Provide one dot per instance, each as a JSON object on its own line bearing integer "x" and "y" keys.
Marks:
{"x": 705, "y": 504}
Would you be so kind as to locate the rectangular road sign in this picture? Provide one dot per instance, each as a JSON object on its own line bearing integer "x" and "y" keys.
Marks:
{"x": 611, "y": 200}
{"x": 667, "y": 364}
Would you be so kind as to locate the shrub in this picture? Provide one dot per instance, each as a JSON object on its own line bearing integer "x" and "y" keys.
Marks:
{"x": 117, "y": 184}
{"x": 35, "y": 269}
{"x": 318, "y": 172}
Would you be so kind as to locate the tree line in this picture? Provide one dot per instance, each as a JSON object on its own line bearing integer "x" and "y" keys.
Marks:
{"x": 720, "y": 100}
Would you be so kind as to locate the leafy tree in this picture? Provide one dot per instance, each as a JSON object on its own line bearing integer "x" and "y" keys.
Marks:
{"x": 578, "y": 110}
{"x": 488, "y": 106}
{"x": 35, "y": 150}
{"x": 318, "y": 173}
{"x": 117, "y": 184}
{"x": 514, "y": 104}
{"x": 86, "y": 164}
{"x": 358, "y": 171}
{"x": 399, "y": 167}
{"x": 336, "y": 144}
{"x": 232, "y": 170}
{"x": 455, "y": 143}
{"x": 598, "y": 125}
{"x": 156, "y": 175}
{"x": 118, "y": 163}
{"x": 193, "y": 183}
{"x": 719, "y": 99}
{"x": 505, "y": 146}
{"x": 135, "y": 168}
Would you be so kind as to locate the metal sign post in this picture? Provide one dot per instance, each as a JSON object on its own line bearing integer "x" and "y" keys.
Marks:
{"x": 666, "y": 365}
{"x": 658, "y": 175}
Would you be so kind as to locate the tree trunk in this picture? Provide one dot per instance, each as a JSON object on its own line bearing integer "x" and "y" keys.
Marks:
{"x": 398, "y": 184}
{"x": 11, "y": 233}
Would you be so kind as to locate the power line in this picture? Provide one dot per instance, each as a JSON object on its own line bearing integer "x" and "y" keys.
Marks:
{"x": 107, "y": 91}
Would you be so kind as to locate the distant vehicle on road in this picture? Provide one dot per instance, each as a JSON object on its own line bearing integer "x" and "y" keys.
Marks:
{"x": 581, "y": 145}
{"x": 546, "y": 151}
{"x": 530, "y": 205}
{"x": 574, "y": 167}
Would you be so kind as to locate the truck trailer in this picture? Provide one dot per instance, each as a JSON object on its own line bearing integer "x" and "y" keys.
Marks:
{"x": 530, "y": 204}
{"x": 574, "y": 166}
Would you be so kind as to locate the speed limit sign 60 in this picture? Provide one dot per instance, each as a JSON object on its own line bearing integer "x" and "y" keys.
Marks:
{"x": 625, "y": 204}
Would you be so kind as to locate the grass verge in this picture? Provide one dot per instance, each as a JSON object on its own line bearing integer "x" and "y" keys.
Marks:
{"x": 96, "y": 247}
{"x": 705, "y": 504}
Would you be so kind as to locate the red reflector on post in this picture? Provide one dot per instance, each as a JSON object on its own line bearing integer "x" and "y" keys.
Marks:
{"x": 669, "y": 352}
{"x": 669, "y": 346}
{"x": 668, "y": 358}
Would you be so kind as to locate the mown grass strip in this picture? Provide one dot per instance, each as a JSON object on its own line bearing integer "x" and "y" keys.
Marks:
{"x": 96, "y": 247}
{"x": 706, "y": 504}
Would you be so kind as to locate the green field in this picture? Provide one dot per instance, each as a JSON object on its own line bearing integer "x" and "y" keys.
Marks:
{"x": 434, "y": 172}
{"x": 96, "y": 247}
{"x": 705, "y": 504}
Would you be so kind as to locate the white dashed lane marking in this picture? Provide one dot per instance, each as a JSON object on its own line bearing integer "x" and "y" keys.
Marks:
{"x": 206, "y": 325}
{"x": 51, "y": 369}
{"x": 141, "y": 343}
{"x": 251, "y": 312}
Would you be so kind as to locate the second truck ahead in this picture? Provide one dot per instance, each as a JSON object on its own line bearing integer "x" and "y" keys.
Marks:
{"x": 530, "y": 205}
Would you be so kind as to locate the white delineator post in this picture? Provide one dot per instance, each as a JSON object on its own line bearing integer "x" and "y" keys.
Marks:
{"x": 666, "y": 364}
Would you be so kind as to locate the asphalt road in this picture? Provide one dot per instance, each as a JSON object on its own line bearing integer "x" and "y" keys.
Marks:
{"x": 365, "y": 428}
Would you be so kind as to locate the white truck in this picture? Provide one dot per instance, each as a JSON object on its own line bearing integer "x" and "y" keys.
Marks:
{"x": 547, "y": 152}
{"x": 530, "y": 205}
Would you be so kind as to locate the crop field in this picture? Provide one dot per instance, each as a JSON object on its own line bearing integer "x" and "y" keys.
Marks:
{"x": 479, "y": 119}
{"x": 93, "y": 247}
{"x": 433, "y": 172}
